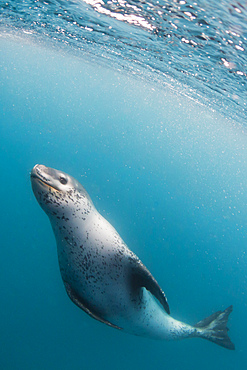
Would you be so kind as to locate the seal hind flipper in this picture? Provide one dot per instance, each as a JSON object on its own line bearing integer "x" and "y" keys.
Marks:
{"x": 141, "y": 277}
{"x": 85, "y": 307}
{"x": 214, "y": 328}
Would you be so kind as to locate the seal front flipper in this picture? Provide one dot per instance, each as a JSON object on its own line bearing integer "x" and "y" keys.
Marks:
{"x": 141, "y": 277}
{"x": 75, "y": 298}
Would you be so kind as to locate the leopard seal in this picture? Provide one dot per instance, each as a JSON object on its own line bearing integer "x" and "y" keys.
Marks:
{"x": 100, "y": 273}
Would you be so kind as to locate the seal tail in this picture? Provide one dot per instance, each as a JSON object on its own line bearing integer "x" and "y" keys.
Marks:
{"x": 214, "y": 328}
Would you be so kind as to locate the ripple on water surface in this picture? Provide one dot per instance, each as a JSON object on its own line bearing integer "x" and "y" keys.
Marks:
{"x": 197, "y": 48}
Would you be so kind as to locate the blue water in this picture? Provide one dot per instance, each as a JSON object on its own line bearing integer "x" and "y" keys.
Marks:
{"x": 161, "y": 153}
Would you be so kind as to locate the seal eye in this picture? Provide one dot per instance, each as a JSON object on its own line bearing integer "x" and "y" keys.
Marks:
{"x": 63, "y": 180}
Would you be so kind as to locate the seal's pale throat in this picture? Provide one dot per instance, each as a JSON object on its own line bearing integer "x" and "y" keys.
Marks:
{"x": 102, "y": 275}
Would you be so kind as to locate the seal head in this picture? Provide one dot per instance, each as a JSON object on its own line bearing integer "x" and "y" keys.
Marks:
{"x": 52, "y": 187}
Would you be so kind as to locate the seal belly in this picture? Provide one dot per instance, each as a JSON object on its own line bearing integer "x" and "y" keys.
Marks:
{"x": 94, "y": 268}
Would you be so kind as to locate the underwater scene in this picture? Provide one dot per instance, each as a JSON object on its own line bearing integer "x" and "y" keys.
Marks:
{"x": 144, "y": 104}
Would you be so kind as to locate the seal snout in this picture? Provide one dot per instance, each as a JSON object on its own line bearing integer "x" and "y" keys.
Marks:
{"x": 36, "y": 169}
{"x": 39, "y": 168}
{"x": 47, "y": 176}
{"x": 33, "y": 173}
{"x": 40, "y": 172}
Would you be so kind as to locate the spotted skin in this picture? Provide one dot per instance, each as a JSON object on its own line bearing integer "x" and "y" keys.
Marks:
{"x": 100, "y": 274}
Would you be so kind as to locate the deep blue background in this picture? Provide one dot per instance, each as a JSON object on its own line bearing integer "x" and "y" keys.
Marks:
{"x": 169, "y": 175}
